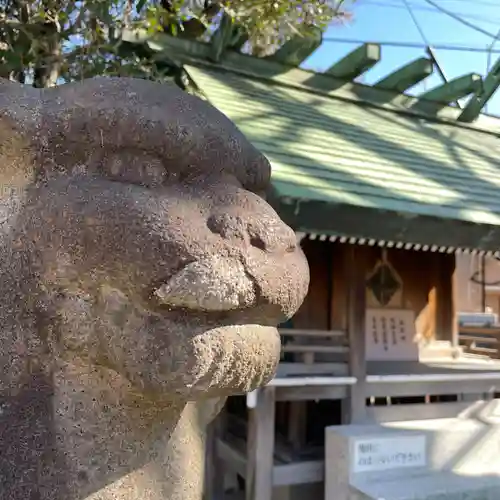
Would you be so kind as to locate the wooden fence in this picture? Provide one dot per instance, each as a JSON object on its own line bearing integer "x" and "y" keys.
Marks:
{"x": 481, "y": 340}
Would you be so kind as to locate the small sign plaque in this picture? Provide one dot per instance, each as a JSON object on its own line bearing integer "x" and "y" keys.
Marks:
{"x": 389, "y": 453}
{"x": 390, "y": 335}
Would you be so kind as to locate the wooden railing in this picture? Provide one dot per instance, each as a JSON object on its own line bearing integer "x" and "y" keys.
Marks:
{"x": 314, "y": 352}
{"x": 481, "y": 340}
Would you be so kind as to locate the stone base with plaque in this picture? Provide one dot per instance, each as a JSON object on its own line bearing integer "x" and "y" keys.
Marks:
{"x": 442, "y": 459}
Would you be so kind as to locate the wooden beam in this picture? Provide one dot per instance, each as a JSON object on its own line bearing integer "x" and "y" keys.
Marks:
{"x": 311, "y": 393}
{"x": 490, "y": 85}
{"x": 406, "y": 77}
{"x": 234, "y": 459}
{"x": 465, "y": 385}
{"x": 260, "y": 446}
{"x": 168, "y": 47}
{"x": 287, "y": 369}
{"x": 454, "y": 89}
{"x": 306, "y": 472}
{"x": 238, "y": 38}
{"x": 222, "y": 37}
{"x": 214, "y": 466}
{"x": 419, "y": 411}
{"x": 356, "y": 62}
{"x": 312, "y": 333}
{"x": 299, "y": 48}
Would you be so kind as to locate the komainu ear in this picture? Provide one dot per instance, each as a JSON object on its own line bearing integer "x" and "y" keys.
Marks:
{"x": 21, "y": 102}
{"x": 20, "y": 112}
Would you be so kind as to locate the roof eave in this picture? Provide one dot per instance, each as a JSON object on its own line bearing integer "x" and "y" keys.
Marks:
{"x": 378, "y": 224}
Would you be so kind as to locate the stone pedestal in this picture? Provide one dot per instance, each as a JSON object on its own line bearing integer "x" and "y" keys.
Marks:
{"x": 444, "y": 459}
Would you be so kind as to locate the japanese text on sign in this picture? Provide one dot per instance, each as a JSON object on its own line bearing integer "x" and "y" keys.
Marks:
{"x": 389, "y": 453}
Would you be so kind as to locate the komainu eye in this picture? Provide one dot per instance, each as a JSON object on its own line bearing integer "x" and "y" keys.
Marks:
{"x": 136, "y": 168}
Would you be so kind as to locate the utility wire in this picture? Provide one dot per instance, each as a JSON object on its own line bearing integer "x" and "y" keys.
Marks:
{"x": 423, "y": 8}
{"x": 415, "y": 22}
{"x": 429, "y": 49}
{"x": 424, "y": 38}
{"x": 487, "y": 3}
{"x": 490, "y": 50}
{"x": 488, "y": 62}
{"x": 460, "y": 19}
{"x": 415, "y": 45}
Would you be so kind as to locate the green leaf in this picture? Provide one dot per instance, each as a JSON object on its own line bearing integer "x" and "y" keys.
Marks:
{"x": 91, "y": 31}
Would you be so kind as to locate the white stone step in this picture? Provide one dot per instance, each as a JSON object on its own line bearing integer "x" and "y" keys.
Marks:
{"x": 437, "y": 486}
{"x": 439, "y": 350}
{"x": 437, "y": 459}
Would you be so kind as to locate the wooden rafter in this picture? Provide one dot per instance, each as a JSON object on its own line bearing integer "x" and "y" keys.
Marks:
{"x": 356, "y": 62}
{"x": 299, "y": 48}
{"x": 228, "y": 35}
{"x": 483, "y": 95}
{"x": 239, "y": 38}
{"x": 221, "y": 38}
{"x": 451, "y": 91}
{"x": 454, "y": 89}
{"x": 226, "y": 42}
{"x": 406, "y": 77}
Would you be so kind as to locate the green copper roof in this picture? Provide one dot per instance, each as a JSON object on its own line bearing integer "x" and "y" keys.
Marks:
{"x": 344, "y": 152}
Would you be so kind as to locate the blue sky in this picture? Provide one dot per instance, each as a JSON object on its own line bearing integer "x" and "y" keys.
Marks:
{"x": 389, "y": 20}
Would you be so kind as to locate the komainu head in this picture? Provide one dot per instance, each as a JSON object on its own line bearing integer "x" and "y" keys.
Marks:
{"x": 135, "y": 237}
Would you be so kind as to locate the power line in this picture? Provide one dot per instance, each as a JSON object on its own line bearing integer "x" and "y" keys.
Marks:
{"x": 486, "y": 3}
{"x": 460, "y": 19}
{"x": 423, "y": 8}
{"x": 415, "y": 21}
{"x": 424, "y": 38}
{"x": 490, "y": 50}
{"x": 429, "y": 50}
{"x": 415, "y": 45}
{"x": 488, "y": 63}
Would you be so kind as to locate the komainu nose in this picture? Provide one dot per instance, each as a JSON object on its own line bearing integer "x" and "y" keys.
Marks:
{"x": 267, "y": 232}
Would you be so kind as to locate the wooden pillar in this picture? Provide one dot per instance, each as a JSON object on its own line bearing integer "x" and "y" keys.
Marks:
{"x": 453, "y": 304}
{"x": 297, "y": 424}
{"x": 313, "y": 314}
{"x": 214, "y": 466}
{"x": 356, "y": 314}
{"x": 260, "y": 446}
{"x": 446, "y": 298}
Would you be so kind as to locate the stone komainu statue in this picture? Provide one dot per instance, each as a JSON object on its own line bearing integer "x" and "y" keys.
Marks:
{"x": 142, "y": 277}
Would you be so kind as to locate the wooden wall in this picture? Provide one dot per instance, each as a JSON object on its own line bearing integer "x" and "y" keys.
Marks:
{"x": 337, "y": 299}
{"x": 427, "y": 286}
{"x": 470, "y": 292}
{"x": 315, "y": 311}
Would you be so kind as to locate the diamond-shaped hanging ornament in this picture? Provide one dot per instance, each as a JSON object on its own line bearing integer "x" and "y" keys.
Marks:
{"x": 383, "y": 284}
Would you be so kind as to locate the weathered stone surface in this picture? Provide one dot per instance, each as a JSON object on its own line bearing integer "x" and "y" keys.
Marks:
{"x": 142, "y": 277}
